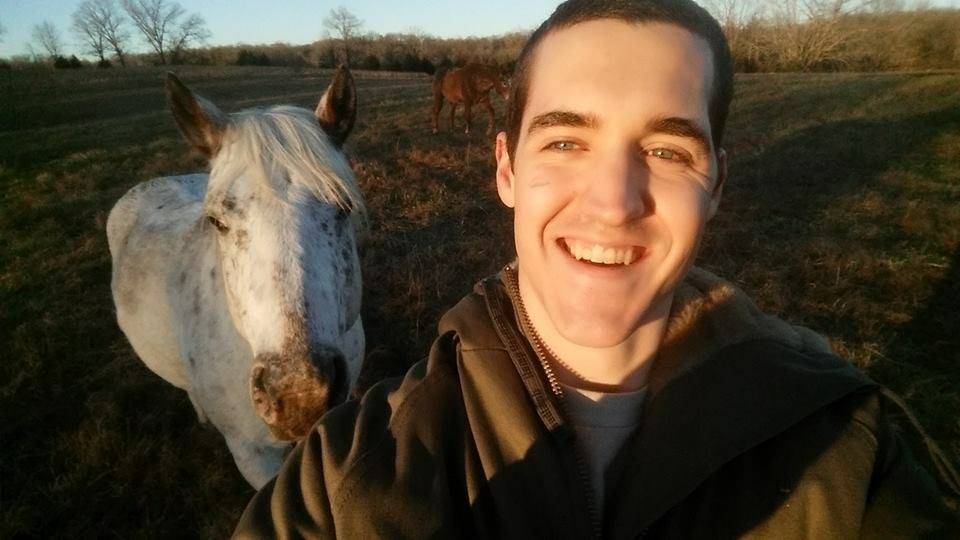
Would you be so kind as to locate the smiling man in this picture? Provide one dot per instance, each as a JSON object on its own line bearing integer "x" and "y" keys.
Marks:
{"x": 600, "y": 385}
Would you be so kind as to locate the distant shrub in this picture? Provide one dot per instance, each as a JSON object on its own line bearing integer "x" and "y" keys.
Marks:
{"x": 104, "y": 64}
{"x": 62, "y": 62}
{"x": 370, "y": 62}
{"x": 249, "y": 58}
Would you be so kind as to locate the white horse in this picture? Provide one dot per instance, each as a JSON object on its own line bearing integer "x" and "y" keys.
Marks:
{"x": 242, "y": 287}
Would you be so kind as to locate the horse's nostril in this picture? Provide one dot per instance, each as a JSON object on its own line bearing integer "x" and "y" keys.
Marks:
{"x": 331, "y": 366}
{"x": 256, "y": 377}
{"x": 291, "y": 392}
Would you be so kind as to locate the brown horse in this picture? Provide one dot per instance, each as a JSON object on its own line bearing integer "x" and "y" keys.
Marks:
{"x": 469, "y": 84}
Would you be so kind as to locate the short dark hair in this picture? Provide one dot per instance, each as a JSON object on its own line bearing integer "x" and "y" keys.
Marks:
{"x": 683, "y": 13}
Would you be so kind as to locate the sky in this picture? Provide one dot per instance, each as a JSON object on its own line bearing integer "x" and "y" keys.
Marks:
{"x": 300, "y": 21}
{"x": 296, "y": 21}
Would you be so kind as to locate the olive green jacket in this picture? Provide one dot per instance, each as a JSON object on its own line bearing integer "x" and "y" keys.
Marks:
{"x": 751, "y": 429}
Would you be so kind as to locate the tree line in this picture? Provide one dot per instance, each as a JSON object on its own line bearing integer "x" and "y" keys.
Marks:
{"x": 839, "y": 35}
{"x": 103, "y": 29}
{"x": 765, "y": 35}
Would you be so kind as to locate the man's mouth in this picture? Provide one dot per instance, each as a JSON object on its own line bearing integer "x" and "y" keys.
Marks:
{"x": 602, "y": 254}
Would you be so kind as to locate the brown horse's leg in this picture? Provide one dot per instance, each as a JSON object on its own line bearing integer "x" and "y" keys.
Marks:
{"x": 453, "y": 110}
{"x": 437, "y": 105}
{"x": 466, "y": 114}
{"x": 489, "y": 107}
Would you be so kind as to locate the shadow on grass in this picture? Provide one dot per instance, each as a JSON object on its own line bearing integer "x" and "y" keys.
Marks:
{"x": 777, "y": 208}
{"x": 841, "y": 227}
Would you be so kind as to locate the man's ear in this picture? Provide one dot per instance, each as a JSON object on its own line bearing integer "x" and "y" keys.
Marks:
{"x": 505, "y": 182}
{"x": 718, "y": 187}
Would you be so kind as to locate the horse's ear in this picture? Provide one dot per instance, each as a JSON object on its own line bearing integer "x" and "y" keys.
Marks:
{"x": 338, "y": 107}
{"x": 199, "y": 120}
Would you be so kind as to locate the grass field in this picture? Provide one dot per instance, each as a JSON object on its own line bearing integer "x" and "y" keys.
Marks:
{"x": 842, "y": 214}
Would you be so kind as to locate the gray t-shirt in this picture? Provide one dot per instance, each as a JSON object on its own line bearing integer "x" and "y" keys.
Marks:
{"x": 602, "y": 423}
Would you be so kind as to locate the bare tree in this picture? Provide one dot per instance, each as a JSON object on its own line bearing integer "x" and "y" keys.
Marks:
{"x": 807, "y": 34}
{"x": 48, "y": 37}
{"x": 100, "y": 27}
{"x": 737, "y": 18}
{"x": 160, "y": 23}
{"x": 344, "y": 24}
{"x": 192, "y": 30}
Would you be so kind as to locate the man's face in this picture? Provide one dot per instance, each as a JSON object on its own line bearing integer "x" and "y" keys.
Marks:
{"x": 614, "y": 175}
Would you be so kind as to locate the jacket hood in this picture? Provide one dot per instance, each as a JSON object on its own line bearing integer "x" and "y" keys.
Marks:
{"x": 708, "y": 315}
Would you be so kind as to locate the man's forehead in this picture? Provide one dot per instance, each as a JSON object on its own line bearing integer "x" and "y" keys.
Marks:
{"x": 611, "y": 50}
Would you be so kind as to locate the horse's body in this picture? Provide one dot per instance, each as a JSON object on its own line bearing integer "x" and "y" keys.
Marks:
{"x": 470, "y": 84}
{"x": 242, "y": 287}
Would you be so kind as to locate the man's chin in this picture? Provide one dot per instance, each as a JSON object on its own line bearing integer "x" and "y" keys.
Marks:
{"x": 586, "y": 332}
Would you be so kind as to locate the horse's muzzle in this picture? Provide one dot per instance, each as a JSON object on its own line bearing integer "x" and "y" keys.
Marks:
{"x": 292, "y": 392}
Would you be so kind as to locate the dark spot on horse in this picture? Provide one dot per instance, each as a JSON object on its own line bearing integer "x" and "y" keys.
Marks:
{"x": 160, "y": 207}
{"x": 196, "y": 303}
{"x": 183, "y": 277}
{"x": 229, "y": 203}
{"x": 345, "y": 252}
{"x": 325, "y": 227}
{"x": 280, "y": 274}
{"x": 193, "y": 363}
{"x": 243, "y": 239}
{"x": 213, "y": 272}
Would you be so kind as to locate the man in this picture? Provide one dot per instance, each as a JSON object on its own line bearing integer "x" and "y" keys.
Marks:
{"x": 601, "y": 386}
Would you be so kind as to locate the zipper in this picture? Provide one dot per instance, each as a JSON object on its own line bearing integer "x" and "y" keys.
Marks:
{"x": 544, "y": 354}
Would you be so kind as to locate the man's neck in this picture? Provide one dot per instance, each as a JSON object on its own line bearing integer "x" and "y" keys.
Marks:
{"x": 620, "y": 368}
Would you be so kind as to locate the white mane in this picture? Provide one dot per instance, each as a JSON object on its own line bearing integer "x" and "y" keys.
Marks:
{"x": 289, "y": 138}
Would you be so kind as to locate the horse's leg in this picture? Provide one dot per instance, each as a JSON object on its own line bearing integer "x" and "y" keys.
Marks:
{"x": 201, "y": 416}
{"x": 453, "y": 110}
{"x": 437, "y": 106}
{"x": 466, "y": 114}
{"x": 489, "y": 107}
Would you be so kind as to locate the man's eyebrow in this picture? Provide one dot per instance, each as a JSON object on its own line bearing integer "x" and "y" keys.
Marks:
{"x": 562, "y": 118}
{"x": 681, "y": 127}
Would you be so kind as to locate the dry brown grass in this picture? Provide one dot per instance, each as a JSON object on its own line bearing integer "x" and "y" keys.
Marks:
{"x": 842, "y": 214}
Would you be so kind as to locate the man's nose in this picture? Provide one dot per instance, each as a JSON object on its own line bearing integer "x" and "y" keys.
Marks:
{"x": 616, "y": 189}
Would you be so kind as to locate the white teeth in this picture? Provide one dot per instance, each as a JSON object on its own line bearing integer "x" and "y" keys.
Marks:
{"x": 596, "y": 255}
{"x": 601, "y": 254}
{"x": 609, "y": 256}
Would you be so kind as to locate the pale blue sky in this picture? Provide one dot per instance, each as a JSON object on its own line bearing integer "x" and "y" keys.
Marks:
{"x": 297, "y": 21}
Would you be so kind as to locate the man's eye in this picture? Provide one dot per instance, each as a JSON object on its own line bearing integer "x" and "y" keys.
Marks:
{"x": 668, "y": 155}
{"x": 563, "y": 146}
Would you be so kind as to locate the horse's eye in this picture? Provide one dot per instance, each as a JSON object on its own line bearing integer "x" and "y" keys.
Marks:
{"x": 217, "y": 223}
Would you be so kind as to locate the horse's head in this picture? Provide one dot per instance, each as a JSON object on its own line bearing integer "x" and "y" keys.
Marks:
{"x": 282, "y": 202}
{"x": 503, "y": 87}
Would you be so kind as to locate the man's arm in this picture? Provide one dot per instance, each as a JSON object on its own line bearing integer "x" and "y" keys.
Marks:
{"x": 295, "y": 504}
{"x": 372, "y": 467}
{"x": 905, "y": 500}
